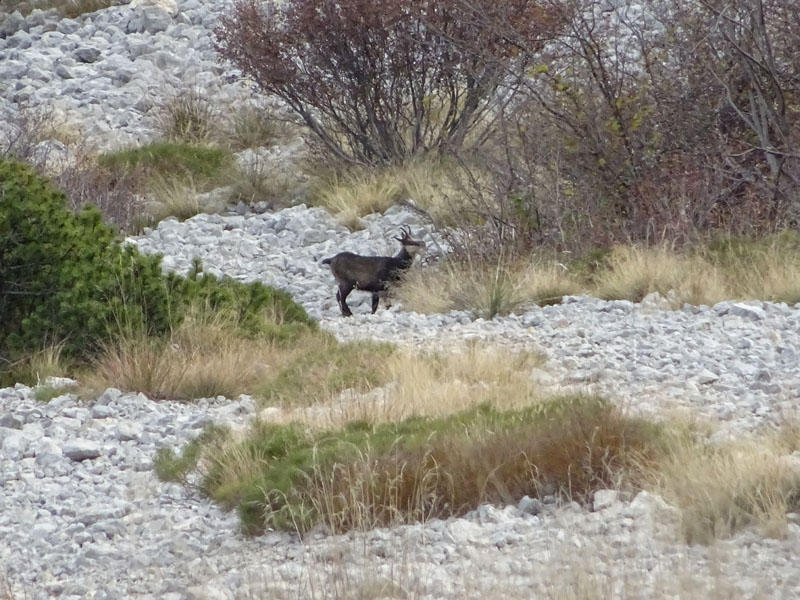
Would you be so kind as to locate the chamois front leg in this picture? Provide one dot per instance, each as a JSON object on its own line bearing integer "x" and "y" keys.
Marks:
{"x": 341, "y": 298}
{"x": 375, "y": 299}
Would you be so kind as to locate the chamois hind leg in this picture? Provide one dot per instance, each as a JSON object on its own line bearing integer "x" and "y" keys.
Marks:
{"x": 375, "y": 299}
{"x": 341, "y": 297}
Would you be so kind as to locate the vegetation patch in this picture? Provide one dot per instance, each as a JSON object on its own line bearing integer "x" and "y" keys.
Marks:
{"x": 357, "y": 192}
{"x": 204, "y": 166}
{"x": 321, "y": 370}
{"x": 726, "y": 268}
{"x": 486, "y": 288}
{"x": 226, "y": 344}
{"x": 189, "y": 117}
{"x": 46, "y": 393}
{"x": 69, "y": 286}
{"x": 253, "y": 127}
{"x": 362, "y": 476}
{"x": 722, "y": 489}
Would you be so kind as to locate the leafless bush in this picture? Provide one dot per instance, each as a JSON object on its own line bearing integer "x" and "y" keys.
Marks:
{"x": 30, "y": 135}
{"x": 117, "y": 196}
{"x": 379, "y": 81}
{"x": 657, "y": 121}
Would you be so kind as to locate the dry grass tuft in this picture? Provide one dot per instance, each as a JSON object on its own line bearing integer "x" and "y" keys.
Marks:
{"x": 253, "y": 127}
{"x": 358, "y": 193}
{"x": 485, "y": 289}
{"x": 634, "y": 272}
{"x": 172, "y": 198}
{"x": 34, "y": 369}
{"x": 722, "y": 489}
{"x": 767, "y": 269}
{"x": 258, "y": 181}
{"x": 429, "y": 384}
{"x": 188, "y": 116}
{"x": 440, "y": 384}
{"x": 204, "y": 357}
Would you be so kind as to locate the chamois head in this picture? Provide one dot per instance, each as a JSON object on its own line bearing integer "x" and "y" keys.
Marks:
{"x": 410, "y": 245}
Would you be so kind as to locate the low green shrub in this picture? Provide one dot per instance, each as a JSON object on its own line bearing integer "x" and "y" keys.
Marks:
{"x": 65, "y": 279}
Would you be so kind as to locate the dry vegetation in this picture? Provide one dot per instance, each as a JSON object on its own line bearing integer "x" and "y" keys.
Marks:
{"x": 357, "y": 192}
{"x": 205, "y": 356}
{"x": 369, "y": 435}
{"x": 721, "y": 489}
{"x": 724, "y": 269}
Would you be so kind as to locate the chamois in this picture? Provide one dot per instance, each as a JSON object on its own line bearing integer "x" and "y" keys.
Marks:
{"x": 371, "y": 273}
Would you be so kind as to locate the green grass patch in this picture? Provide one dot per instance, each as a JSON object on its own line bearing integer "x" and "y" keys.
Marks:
{"x": 48, "y": 392}
{"x": 205, "y": 167}
{"x": 362, "y": 476}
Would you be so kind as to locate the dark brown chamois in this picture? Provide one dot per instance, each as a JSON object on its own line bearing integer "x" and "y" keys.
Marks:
{"x": 371, "y": 273}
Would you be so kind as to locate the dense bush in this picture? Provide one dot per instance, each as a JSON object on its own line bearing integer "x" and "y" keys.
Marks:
{"x": 64, "y": 278}
{"x": 380, "y": 80}
{"x": 648, "y": 120}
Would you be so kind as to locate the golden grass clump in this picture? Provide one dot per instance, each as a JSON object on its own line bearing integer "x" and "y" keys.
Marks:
{"x": 35, "y": 368}
{"x": 722, "y": 489}
{"x": 204, "y": 357}
{"x": 767, "y": 269}
{"x": 188, "y": 116}
{"x": 632, "y": 273}
{"x": 486, "y": 289}
{"x": 429, "y": 384}
{"x": 358, "y": 193}
{"x": 172, "y": 198}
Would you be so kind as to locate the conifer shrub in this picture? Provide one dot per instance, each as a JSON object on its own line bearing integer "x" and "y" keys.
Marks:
{"x": 65, "y": 278}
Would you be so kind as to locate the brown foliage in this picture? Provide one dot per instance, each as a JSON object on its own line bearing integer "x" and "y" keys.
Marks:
{"x": 378, "y": 81}
{"x": 657, "y": 121}
{"x": 589, "y": 445}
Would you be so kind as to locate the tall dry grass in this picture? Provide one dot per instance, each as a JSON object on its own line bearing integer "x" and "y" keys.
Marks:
{"x": 34, "y": 369}
{"x": 722, "y": 489}
{"x": 632, "y": 273}
{"x": 203, "y": 357}
{"x": 733, "y": 269}
{"x": 357, "y": 193}
{"x": 423, "y": 384}
{"x": 486, "y": 289}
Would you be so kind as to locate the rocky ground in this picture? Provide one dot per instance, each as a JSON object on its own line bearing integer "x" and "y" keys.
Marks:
{"x": 83, "y": 516}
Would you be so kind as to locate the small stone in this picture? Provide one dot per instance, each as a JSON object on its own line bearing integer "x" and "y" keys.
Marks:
{"x": 109, "y": 396}
{"x": 80, "y": 449}
{"x": 604, "y": 499}
{"x": 706, "y": 376}
{"x": 530, "y": 506}
{"x": 129, "y": 430}
{"x": 101, "y": 411}
{"x": 11, "y": 421}
{"x": 87, "y": 54}
{"x": 14, "y": 446}
{"x": 748, "y": 311}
